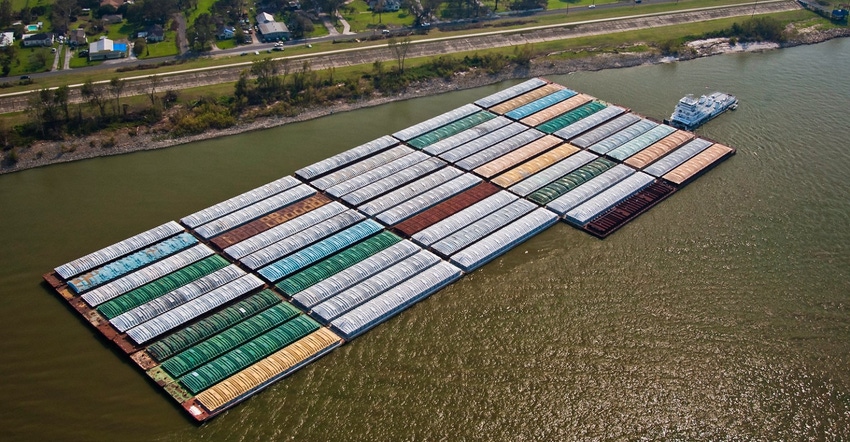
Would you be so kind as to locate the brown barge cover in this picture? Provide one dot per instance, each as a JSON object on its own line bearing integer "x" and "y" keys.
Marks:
{"x": 270, "y": 220}
{"x": 445, "y": 209}
{"x": 525, "y": 98}
{"x": 555, "y": 110}
{"x": 697, "y": 164}
{"x": 659, "y": 149}
{"x": 629, "y": 209}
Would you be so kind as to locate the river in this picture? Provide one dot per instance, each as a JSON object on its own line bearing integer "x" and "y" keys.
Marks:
{"x": 721, "y": 314}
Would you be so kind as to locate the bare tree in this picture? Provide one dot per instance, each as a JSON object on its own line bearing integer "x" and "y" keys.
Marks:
{"x": 400, "y": 48}
{"x": 152, "y": 89}
{"x": 378, "y": 8}
{"x": 116, "y": 86}
{"x": 94, "y": 95}
{"x": 60, "y": 97}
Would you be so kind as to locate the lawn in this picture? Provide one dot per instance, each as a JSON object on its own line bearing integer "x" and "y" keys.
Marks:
{"x": 81, "y": 62}
{"x": 319, "y": 30}
{"x": 362, "y": 19}
{"x": 203, "y": 6}
{"x": 564, "y": 4}
{"x": 29, "y": 60}
{"x": 120, "y": 31}
{"x": 165, "y": 48}
{"x": 18, "y": 4}
{"x": 226, "y": 44}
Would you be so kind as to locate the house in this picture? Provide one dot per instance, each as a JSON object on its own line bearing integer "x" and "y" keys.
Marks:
{"x": 7, "y": 39}
{"x": 152, "y": 33}
{"x": 264, "y": 17}
{"x": 112, "y": 18}
{"x": 106, "y": 49}
{"x": 77, "y": 37}
{"x": 273, "y": 31}
{"x": 42, "y": 39}
{"x": 226, "y": 32}
{"x": 389, "y": 5}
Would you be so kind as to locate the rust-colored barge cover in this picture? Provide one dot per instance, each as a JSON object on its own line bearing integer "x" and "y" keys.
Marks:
{"x": 273, "y": 219}
{"x": 445, "y": 209}
{"x": 629, "y": 209}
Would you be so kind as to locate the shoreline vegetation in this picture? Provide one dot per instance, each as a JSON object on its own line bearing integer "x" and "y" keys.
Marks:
{"x": 219, "y": 122}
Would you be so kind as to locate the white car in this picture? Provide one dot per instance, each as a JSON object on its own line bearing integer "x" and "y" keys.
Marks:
{"x": 592, "y": 6}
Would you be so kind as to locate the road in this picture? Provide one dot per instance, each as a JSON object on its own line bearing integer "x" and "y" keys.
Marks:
{"x": 355, "y": 56}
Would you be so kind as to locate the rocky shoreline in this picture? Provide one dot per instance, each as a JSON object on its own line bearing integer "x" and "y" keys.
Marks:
{"x": 47, "y": 153}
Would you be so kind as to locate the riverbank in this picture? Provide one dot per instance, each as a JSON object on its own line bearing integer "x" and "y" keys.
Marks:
{"x": 138, "y": 139}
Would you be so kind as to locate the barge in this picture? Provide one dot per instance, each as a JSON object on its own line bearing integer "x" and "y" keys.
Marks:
{"x": 234, "y": 297}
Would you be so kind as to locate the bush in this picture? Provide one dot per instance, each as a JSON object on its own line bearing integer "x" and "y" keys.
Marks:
{"x": 205, "y": 115}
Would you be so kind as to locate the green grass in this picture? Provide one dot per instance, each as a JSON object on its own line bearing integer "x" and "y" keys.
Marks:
{"x": 120, "y": 31}
{"x": 21, "y": 65}
{"x": 564, "y": 4}
{"x": 79, "y": 62}
{"x": 319, "y": 30}
{"x": 226, "y": 44}
{"x": 362, "y": 19}
{"x": 62, "y": 51}
{"x": 163, "y": 48}
{"x": 203, "y": 6}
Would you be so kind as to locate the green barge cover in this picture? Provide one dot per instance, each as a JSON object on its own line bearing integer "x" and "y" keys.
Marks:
{"x": 247, "y": 354}
{"x": 570, "y": 181}
{"x": 161, "y": 286}
{"x": 571, "y": 117}
{"x": 337, "y": 263}
{"x": 227, "y": 340}
{"x": 191, "y": 335}
{"x": 455, "y": 128}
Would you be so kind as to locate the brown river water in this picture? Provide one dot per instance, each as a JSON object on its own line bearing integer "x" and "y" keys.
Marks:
{"x": 721, "y": 314}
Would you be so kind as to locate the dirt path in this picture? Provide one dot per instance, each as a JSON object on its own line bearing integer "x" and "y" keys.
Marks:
{"x": 182, "y": 42}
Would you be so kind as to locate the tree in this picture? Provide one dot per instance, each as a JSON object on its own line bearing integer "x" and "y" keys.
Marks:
{"x": 242, "y": 90}
{"x": 202, "y": 32}
{"x": 116, "y": 87}
{"x": 330, "y": 6}
{"x": 266, "y": 72}
{"x": 5, "y": 13}
{"x": 37, "y": 61}
{"x": 42, "y": 107}
{"x": 300, "y": 25}
{"x": 378, "y": 8}
{"x": 400, "y": 48}
{"x": 7, "y": 55}
{"x": 523, "y": 5}
{"x": 139, "y": 46}
{"x": 60, "y": 14}
{"x": 152, "y": 89}
{"x": 60, "y": 97}
{"x": 94, "y": 96}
